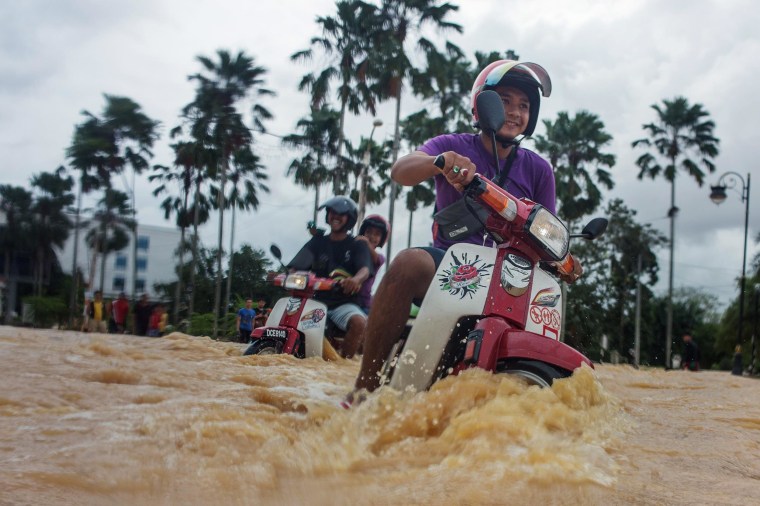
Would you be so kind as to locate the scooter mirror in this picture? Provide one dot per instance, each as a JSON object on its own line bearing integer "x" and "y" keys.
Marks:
{"x": 594, "y": 228}
{"x": 275, "y": 252}
{"x": 490, "y": 109}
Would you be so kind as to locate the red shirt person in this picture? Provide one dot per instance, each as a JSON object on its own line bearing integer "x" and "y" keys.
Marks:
{"x": 120, "y": 312}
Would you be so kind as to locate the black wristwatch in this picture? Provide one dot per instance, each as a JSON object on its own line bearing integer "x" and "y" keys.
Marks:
{"x": 439, "y": 161}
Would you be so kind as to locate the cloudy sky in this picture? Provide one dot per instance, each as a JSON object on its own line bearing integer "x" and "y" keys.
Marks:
{"x": 614, "y": 59}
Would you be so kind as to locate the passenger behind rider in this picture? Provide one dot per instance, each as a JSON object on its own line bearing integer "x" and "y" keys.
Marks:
{"x": 339, "y": 250}
{"x": 374, "y": 231}
{"x": 522, "y": 172}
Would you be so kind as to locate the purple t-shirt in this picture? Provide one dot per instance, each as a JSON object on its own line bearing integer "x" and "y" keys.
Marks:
{"x": 530, "y": 177}
{"x": 365, "y": 293}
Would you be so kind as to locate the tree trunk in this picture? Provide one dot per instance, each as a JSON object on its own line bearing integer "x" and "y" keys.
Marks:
{"x": 219, "y": 253}
{"x": 409, "y": 237}
{"x": 103, "y": 255}
{"x": 394, "y": 157}
{"x": 178, "y": 290}
{"x": 93, "y": 268}
{"x": 669, "y": 318}
{"x": 134, "y": 242}
{"x": 229, "y": 267}
{"x": 194, "y": 262}
{"x": 73, "y": 303}
{"x": 316, "y": 203}
{"x": 338, "y": 170}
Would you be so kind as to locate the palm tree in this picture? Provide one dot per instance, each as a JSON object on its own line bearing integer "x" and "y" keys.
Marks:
{"x": 681, "y": 129}
{"x": 247, "y": 180}
{"x": 103, "y": 147}
{"x": 574, "y": 148}
{"x": 188, "y": 174}
{"x": 369, "y": 154}
{"x": 217, "y": 122}
{"x": 445, "y": 83}
{"x": 111, "y": 231}
{"x": 319, "y": 136}
{"x": 400, "y": 21}
{"x": 91, "y": 152}
{"x": 134, "y": 134}
{"x": 345, "y": 43}
{"x": 50, "y": 226}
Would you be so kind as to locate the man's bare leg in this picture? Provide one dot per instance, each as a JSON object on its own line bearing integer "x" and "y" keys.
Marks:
{"x": 353, "y": 338}
{"x": 407, "y": 279}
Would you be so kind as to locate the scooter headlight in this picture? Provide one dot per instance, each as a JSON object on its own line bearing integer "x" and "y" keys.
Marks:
{"x": 549, "y": 232}
{"x": 296, "y": 281}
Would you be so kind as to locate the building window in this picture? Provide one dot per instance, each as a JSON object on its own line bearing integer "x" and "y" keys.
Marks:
{"x": 143, "y": 242}
{"x": 140, "y": 285}
{"x": 118, "y": 284}
{"x": 120, "y": 262}
{"x": 142, "y": 263}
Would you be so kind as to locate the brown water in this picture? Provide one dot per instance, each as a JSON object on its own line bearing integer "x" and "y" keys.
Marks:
{"x": 97, "y": 419}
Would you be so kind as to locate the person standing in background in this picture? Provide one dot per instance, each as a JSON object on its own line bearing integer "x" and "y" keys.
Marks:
{"x": 244, "y": 323}
{"x": 690, "y": 360}
{"x": 141, "y": 315}
{"x": 120, "y": 312}
{"x": 262, "y": 313}
{"x": 97, "y": 314}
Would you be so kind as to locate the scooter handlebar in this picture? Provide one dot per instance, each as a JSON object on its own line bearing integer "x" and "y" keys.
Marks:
{"x": 304, "y": 281}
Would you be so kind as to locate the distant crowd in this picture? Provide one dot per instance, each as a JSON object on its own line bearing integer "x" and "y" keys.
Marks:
{"x": 112, "y": 316}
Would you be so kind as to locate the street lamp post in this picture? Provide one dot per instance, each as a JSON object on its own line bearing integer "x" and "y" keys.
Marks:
{"x": 753, "y": 360}
{"x": 718, "y": 195}
{"x": 365, "y": 172}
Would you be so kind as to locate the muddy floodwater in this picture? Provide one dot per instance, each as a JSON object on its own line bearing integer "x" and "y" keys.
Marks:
{"x": 90, "y": 419}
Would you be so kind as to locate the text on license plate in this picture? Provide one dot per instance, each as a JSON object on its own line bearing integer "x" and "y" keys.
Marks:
{"x": 279, "y": 333}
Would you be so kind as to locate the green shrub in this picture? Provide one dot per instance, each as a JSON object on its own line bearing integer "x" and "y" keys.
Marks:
{"x": 47, "y": 311}
{"x": 202, "y": 324}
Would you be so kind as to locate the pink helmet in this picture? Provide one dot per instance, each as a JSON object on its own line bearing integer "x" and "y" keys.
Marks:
{"x": 377, "y": 221}
{"x": 525, "y": 76}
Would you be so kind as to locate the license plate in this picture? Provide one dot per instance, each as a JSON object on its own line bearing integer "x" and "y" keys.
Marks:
{"x": 277, "y": 333}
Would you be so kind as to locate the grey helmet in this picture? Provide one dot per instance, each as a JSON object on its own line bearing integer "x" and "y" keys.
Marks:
{"x": 342, "y": 205}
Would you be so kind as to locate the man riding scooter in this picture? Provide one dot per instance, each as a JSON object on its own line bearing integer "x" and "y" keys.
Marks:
{"x": 339, "y": 253}
{"x": 461, "y": 156}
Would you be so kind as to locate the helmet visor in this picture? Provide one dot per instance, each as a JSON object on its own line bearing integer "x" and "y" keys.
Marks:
{"x": 534, "y": 70}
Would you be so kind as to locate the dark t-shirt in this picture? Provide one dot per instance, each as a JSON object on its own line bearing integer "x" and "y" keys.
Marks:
{"x": 690, "y": 352}
{"x": 142, "y": 314}
{"x": 322, "y": 256}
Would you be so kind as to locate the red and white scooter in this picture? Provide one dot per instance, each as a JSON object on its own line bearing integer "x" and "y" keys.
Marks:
{"x": 496, "y": 308}
{"x": 297, "y": 323}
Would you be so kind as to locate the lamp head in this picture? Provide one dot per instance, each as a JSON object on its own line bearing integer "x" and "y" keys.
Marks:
{"x": 718, "y": 194}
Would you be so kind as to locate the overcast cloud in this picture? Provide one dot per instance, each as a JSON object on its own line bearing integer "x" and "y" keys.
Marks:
{"x": 614, "y": 59}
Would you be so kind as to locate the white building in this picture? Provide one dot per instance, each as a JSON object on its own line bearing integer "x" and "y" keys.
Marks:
{"x": 156, "y": 261}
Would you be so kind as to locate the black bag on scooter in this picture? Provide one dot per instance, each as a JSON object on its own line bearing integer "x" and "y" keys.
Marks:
{"x": 457, "y": 221}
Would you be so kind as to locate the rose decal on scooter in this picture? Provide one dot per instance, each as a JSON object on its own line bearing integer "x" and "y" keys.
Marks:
{"x": 464, "y": 276}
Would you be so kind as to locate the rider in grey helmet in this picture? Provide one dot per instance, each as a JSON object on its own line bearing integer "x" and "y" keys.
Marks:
{"x": 340, "y": 252}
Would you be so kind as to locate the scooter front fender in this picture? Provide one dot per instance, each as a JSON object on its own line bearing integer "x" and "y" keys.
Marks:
{"x": 516, "y": 343}
{"x": 491, "y": 332}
